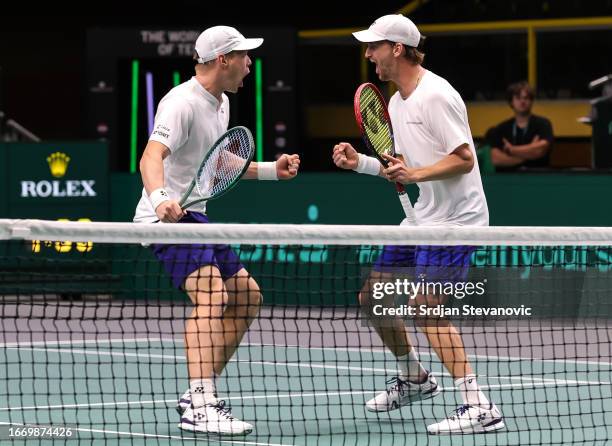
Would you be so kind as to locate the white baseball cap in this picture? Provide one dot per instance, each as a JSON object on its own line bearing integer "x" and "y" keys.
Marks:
{"x": 394, "y": 27}
{"x": 220, "y": 40}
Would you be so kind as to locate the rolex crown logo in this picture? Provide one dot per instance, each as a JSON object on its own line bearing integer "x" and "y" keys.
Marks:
{"x": 58, "y": 163}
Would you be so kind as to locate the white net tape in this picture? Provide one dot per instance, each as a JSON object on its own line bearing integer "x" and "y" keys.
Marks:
{"x": 103, "y": 232}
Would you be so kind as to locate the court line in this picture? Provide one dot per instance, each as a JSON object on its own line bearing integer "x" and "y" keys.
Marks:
{"x": 183, "y": 358}
{"x": 395, "y": 371}
{"x": 349, "y": 349}
{"x": 174, "y": 400}
{"x": 310, "y": 365}
{"x": 98, "y": 353}
{"x": 426, "y": 353}
{"x": 141, "y": 434}
{"x": 76, "y": 406}
{"x": 83, "y": 342}
{"x": 520, "y": 358}
{"x": 250, "y": 397}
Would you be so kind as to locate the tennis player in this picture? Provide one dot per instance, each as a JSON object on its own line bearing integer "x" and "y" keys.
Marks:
{"x": 189, "y": 119}
{"x": 433, "y": 136}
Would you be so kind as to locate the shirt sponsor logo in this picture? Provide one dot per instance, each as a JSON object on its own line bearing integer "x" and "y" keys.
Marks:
{"x": 162, "y": 131}
{"x": 162, "y": 134}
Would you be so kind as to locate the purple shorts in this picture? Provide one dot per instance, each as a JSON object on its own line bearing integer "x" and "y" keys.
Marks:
{"x": 181, "y": 260}
{"x": 435, "y": 263}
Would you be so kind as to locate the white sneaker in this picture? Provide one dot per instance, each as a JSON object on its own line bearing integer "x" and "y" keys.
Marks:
{"x": 402, "y": 392}
{"x": 213, "y": 418}
{"x": 469, "y": 420}
{"x": 184, "y": 402}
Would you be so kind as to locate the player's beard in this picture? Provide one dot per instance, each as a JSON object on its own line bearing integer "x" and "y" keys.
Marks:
{"x": 383, "y": 71}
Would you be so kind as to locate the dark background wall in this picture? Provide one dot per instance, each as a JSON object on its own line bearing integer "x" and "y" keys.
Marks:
{"x": 43, "y": 58}
{"x": 42, "y": 79}
{"x": 42, "y": 49}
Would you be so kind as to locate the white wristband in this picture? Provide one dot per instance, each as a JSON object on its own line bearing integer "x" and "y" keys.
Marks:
{"x": 267, "y": 171}
{"x": 367, "y": 164}
{"x": 158, "y": 196}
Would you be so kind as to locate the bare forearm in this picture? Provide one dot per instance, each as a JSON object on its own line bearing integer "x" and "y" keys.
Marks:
{"x": 447, "y": 167}
{"x": 460, "y": 161}
{"x": 284, "y": 168}
{"x": 251, "y": 173}
{"x": 502, "y": 159}
{"x": 152, "y": 172}
{"x": 530, "y": 151}
{"x": 152, "y": 165}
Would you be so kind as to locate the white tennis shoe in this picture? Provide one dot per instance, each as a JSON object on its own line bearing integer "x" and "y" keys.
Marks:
{"x": 213, "y": 418}
{"x": 184, "y": 402}
{"x": 469, "y": 420}
{"x": 402, "y": 392}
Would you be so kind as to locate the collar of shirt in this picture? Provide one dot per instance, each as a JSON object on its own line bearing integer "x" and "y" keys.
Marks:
{"x": 515, "y": 133}
{"x": 207, "y": 95}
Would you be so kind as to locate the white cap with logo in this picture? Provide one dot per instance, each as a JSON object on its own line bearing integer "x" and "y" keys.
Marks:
{"x": 220, "y": 40}
{"x": 394, "y": 27}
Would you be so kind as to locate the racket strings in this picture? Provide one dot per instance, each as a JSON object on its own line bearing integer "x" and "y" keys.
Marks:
{"x": 226, "y": 164}
{"x": 375, "y": 124}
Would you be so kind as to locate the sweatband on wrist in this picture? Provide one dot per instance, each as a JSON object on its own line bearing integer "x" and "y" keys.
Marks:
{"x": 367, "y": 164}
{"x": 267, "y": 171}
{"x": 158, "y": 196}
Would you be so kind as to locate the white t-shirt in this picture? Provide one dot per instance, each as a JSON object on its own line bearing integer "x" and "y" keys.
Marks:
{"x": 428, "y": 125}
{"x": 188, "y": 121}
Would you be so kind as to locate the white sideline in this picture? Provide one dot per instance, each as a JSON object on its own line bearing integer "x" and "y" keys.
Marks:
{"x": 426, "y": 353}
{"x": 250, "y": 397}
{"x": 310, "y": 365}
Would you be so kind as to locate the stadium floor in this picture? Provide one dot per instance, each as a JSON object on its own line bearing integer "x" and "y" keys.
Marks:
{"x": 113, "y": 373}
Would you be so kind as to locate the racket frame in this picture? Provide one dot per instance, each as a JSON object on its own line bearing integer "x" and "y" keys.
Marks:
{"x": 399, "y": 187}
{"x": 183, "y": 202}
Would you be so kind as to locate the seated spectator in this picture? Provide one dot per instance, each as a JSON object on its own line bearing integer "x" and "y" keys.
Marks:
{"x": 523, "y": 141}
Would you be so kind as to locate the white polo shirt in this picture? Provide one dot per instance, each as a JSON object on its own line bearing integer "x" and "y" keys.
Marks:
{"x": 188, "y": 121}
{"x": 428, "y": 125}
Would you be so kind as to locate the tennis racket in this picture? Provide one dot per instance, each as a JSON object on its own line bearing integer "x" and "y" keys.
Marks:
{"x": 222, "y": 167}
{"x": 375, "y": 125}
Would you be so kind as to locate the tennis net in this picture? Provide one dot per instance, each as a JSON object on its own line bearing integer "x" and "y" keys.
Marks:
{"x": 93, "y": 343}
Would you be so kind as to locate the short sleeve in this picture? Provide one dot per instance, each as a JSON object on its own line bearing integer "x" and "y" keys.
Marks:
{"x": 491, "y": 137}
{"x": 446, "y": 116}
{"x": 172, "y": 122}
{"x": 546, "y": 131}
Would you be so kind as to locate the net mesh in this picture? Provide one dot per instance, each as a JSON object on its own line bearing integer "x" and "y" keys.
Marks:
{"x": 375, "y": 124}
{"x": 95, "y": 341}
{"x": 225, "y": 163}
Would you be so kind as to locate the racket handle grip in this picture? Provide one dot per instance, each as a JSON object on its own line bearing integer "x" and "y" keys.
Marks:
{"x": 408, "y": 209}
